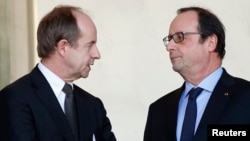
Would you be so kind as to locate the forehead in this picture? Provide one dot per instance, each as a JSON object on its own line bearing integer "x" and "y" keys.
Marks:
{"x": 85, "y": 23}
{"x": 186, "y": 22}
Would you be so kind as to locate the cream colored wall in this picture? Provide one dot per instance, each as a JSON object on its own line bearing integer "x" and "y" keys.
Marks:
{"x": 17, "y": 39}
{"x": 21, "y": 37}
{"x": 4, "y": 44}
{"x": 135, "y": 69}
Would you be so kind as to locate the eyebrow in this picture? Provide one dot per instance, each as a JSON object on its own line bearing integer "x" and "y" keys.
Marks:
{"x": 91, "y": 42}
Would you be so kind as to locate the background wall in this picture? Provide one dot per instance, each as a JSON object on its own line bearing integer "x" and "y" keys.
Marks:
{"x": 16, "y": 39}
{"x": 135, "y": 69}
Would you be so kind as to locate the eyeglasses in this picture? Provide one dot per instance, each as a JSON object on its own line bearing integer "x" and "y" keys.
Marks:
{"x": 177, "y": 37}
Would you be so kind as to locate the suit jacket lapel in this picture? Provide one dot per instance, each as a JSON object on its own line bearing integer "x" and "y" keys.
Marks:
{"x": 83, "y": 113}
{"x": 48, "y": 98}
{"x": 172, "y": 114}
{"x": 175, "y": 106}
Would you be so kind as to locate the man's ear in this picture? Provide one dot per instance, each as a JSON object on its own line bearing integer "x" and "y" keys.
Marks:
{"x": 61, "y": 46}
{"x": 212, "y": 42}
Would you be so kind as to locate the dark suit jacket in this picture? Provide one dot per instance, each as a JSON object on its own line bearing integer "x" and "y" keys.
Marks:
{"x": 30, "y": 111}
{"x": 228, "y": 104}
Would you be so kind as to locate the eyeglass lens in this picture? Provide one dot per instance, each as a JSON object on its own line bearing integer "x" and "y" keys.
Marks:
{"x": 177, "y": 37}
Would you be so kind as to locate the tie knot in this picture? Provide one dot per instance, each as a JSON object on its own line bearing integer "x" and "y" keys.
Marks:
{"x": 194, "y": 92}
{"x": 67, "y": 89}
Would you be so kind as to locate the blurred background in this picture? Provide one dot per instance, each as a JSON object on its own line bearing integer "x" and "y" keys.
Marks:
{"x": 134, "y": 69}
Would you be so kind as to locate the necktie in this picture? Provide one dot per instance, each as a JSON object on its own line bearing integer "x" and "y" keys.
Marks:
{"x": 190, "y": 115}
{"x": 69, "y": 107}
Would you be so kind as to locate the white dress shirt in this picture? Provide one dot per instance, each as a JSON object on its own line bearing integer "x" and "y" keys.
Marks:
{"x": 55, "y": 82}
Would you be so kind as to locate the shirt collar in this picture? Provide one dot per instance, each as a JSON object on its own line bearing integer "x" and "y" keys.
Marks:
{"x": 55, "y": 82}
{"x": 208, "y": 83}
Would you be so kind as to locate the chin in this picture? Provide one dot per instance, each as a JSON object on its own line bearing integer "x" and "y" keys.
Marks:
{"x": 85, "y": 72}
{"x": 85, "y": 75}
{"x": 175, "y": 68}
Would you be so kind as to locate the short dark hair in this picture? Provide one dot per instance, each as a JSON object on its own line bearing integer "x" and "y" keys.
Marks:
{"x": 209, "y": 24}
{"x": 58, "y": 24}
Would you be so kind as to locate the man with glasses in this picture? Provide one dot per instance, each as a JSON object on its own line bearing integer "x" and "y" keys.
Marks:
{"x": 196, "y": 46}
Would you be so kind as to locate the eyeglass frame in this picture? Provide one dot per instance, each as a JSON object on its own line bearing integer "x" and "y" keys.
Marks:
{"x": 168, "y": 38}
